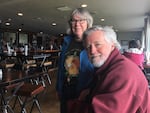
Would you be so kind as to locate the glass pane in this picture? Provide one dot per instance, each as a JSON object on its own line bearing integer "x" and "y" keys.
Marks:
{"x": 10, "y": 38}
{"x": 23, "y": 38}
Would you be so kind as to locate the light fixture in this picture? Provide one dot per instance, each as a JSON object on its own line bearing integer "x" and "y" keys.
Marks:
{"x": 20, "y": 14}
{"x": 19, "y": 29}
{"x": 61, "y": 34}
{"x": 53, "y": 24}
{"x": 41, "y": 32}
{"x": 9, "y": 19}
{"x": 84, "y": 5}
{"x": 102, "y": 19}
{"x": 7, "y": 24}
{"x": 39, "y": 18}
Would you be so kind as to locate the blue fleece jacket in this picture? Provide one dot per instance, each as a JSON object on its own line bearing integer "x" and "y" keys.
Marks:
{"x": 86, "y": 68}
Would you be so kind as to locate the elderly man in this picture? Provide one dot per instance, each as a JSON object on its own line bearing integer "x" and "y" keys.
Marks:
{"x": 120, "y": 86}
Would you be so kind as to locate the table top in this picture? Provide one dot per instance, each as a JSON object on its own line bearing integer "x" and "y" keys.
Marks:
{"x": 32, "y": 52}
{"x": 12, "y": 76}
{"x": 45, "y": 51}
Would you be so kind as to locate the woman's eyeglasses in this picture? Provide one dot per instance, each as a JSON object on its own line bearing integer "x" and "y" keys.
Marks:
{"x": 81, "y": 21}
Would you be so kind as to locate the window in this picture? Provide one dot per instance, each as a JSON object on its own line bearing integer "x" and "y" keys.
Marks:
{"x": 23, "y": 38}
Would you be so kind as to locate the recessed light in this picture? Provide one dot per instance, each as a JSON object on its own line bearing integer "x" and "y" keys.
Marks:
{"x": 19, "y": 29}
{"x": 39, "y": 18}
{"x": 61, "y": 34}
{"x": 20, "y": 14}
{"x": 84, "y": 5}
{"x": 53, "y": 24}
{"x": 102, "y": 19}
{"x": 41, "y": 32}
{"x": 9, "y": 19}
{"x": 7, "y": 24}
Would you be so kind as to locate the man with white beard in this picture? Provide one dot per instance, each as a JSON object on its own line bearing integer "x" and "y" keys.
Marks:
{"x": 120, "y": 86}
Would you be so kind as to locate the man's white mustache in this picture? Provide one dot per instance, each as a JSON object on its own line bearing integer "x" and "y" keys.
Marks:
{"x": 93, "y": 56}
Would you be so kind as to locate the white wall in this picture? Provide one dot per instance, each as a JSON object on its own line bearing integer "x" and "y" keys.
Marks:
{"x": 129, "y": 35}
{"x": 124, "y": 37}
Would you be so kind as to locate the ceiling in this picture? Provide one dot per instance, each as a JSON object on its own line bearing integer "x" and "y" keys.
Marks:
{"x": 38, "y": 15}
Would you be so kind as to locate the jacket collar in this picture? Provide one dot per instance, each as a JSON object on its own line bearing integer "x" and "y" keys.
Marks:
{"x": 110, "y": 61}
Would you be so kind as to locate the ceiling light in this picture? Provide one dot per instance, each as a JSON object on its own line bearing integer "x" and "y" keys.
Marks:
{"x": 19, "y": 29}
{"x": 9, "y": 19}
{"x": 41, "y": 32}
{"x": 39, "y": 18}
{"x": 84, "y": 5}
{"x": 61, "y": 34}
{"x": 7, "y": 24}
{"x": 53, "y": 24}
{"x": 64, "y": 8}
{"x": 102, "y": 19}
{"x": 20, "y": 14}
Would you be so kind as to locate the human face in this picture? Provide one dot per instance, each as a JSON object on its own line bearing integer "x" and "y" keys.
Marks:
{"x": 78, "y": 26}
{"x": 98, "y": 48}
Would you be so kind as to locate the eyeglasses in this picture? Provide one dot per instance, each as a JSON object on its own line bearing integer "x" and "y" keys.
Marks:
{"x": 81, "y": 21}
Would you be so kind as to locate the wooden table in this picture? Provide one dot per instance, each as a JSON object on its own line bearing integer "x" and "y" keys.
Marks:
{"x": 45, "y": 51}
{"x": 21, "y": 59}
{"x": 11, "y": 76}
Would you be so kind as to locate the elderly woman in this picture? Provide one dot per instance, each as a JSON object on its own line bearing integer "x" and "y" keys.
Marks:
{"x": 74, "y": 69}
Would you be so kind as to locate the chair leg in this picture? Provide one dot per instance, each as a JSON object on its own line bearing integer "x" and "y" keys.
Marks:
{"x": 47, "y": 75}
{"x": 5, "y": 104}
{"x": 22, "y": 105}
{"x": 28, "y": 95}
{"x": 36, "y": 102}
{"x": 15, "y": 102}
{"x": 23, "y": 110}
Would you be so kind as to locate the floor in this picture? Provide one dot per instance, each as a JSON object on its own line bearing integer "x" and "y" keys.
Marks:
{"x": 48, "y": 100}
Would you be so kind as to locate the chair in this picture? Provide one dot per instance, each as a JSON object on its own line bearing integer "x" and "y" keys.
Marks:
{"x": 7, "y": 64}
{"x": 28, "y": 93}
{"x": 45, "y": 68}
{"x": 5, "y": 100}
{"x": 54, "y": 68}
{"x": 45, "y": 63}
{"x": 30, "y": 64}
{"x": 50, "y": 67}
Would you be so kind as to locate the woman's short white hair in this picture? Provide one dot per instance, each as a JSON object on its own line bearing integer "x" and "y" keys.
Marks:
{"x": 84, "y": 14}
{"x": 110, "y": 34}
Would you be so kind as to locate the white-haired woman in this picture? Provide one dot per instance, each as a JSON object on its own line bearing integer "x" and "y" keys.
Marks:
{"x": 74, "y": 69}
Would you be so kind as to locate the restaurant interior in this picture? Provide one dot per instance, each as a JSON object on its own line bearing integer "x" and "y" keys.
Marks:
{"x": 31, "y": 37}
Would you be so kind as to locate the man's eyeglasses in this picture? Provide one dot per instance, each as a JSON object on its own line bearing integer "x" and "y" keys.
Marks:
{"x": 81, "y": 21}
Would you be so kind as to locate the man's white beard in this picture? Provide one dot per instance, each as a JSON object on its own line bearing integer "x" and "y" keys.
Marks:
{"x": 97, "y": 62}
